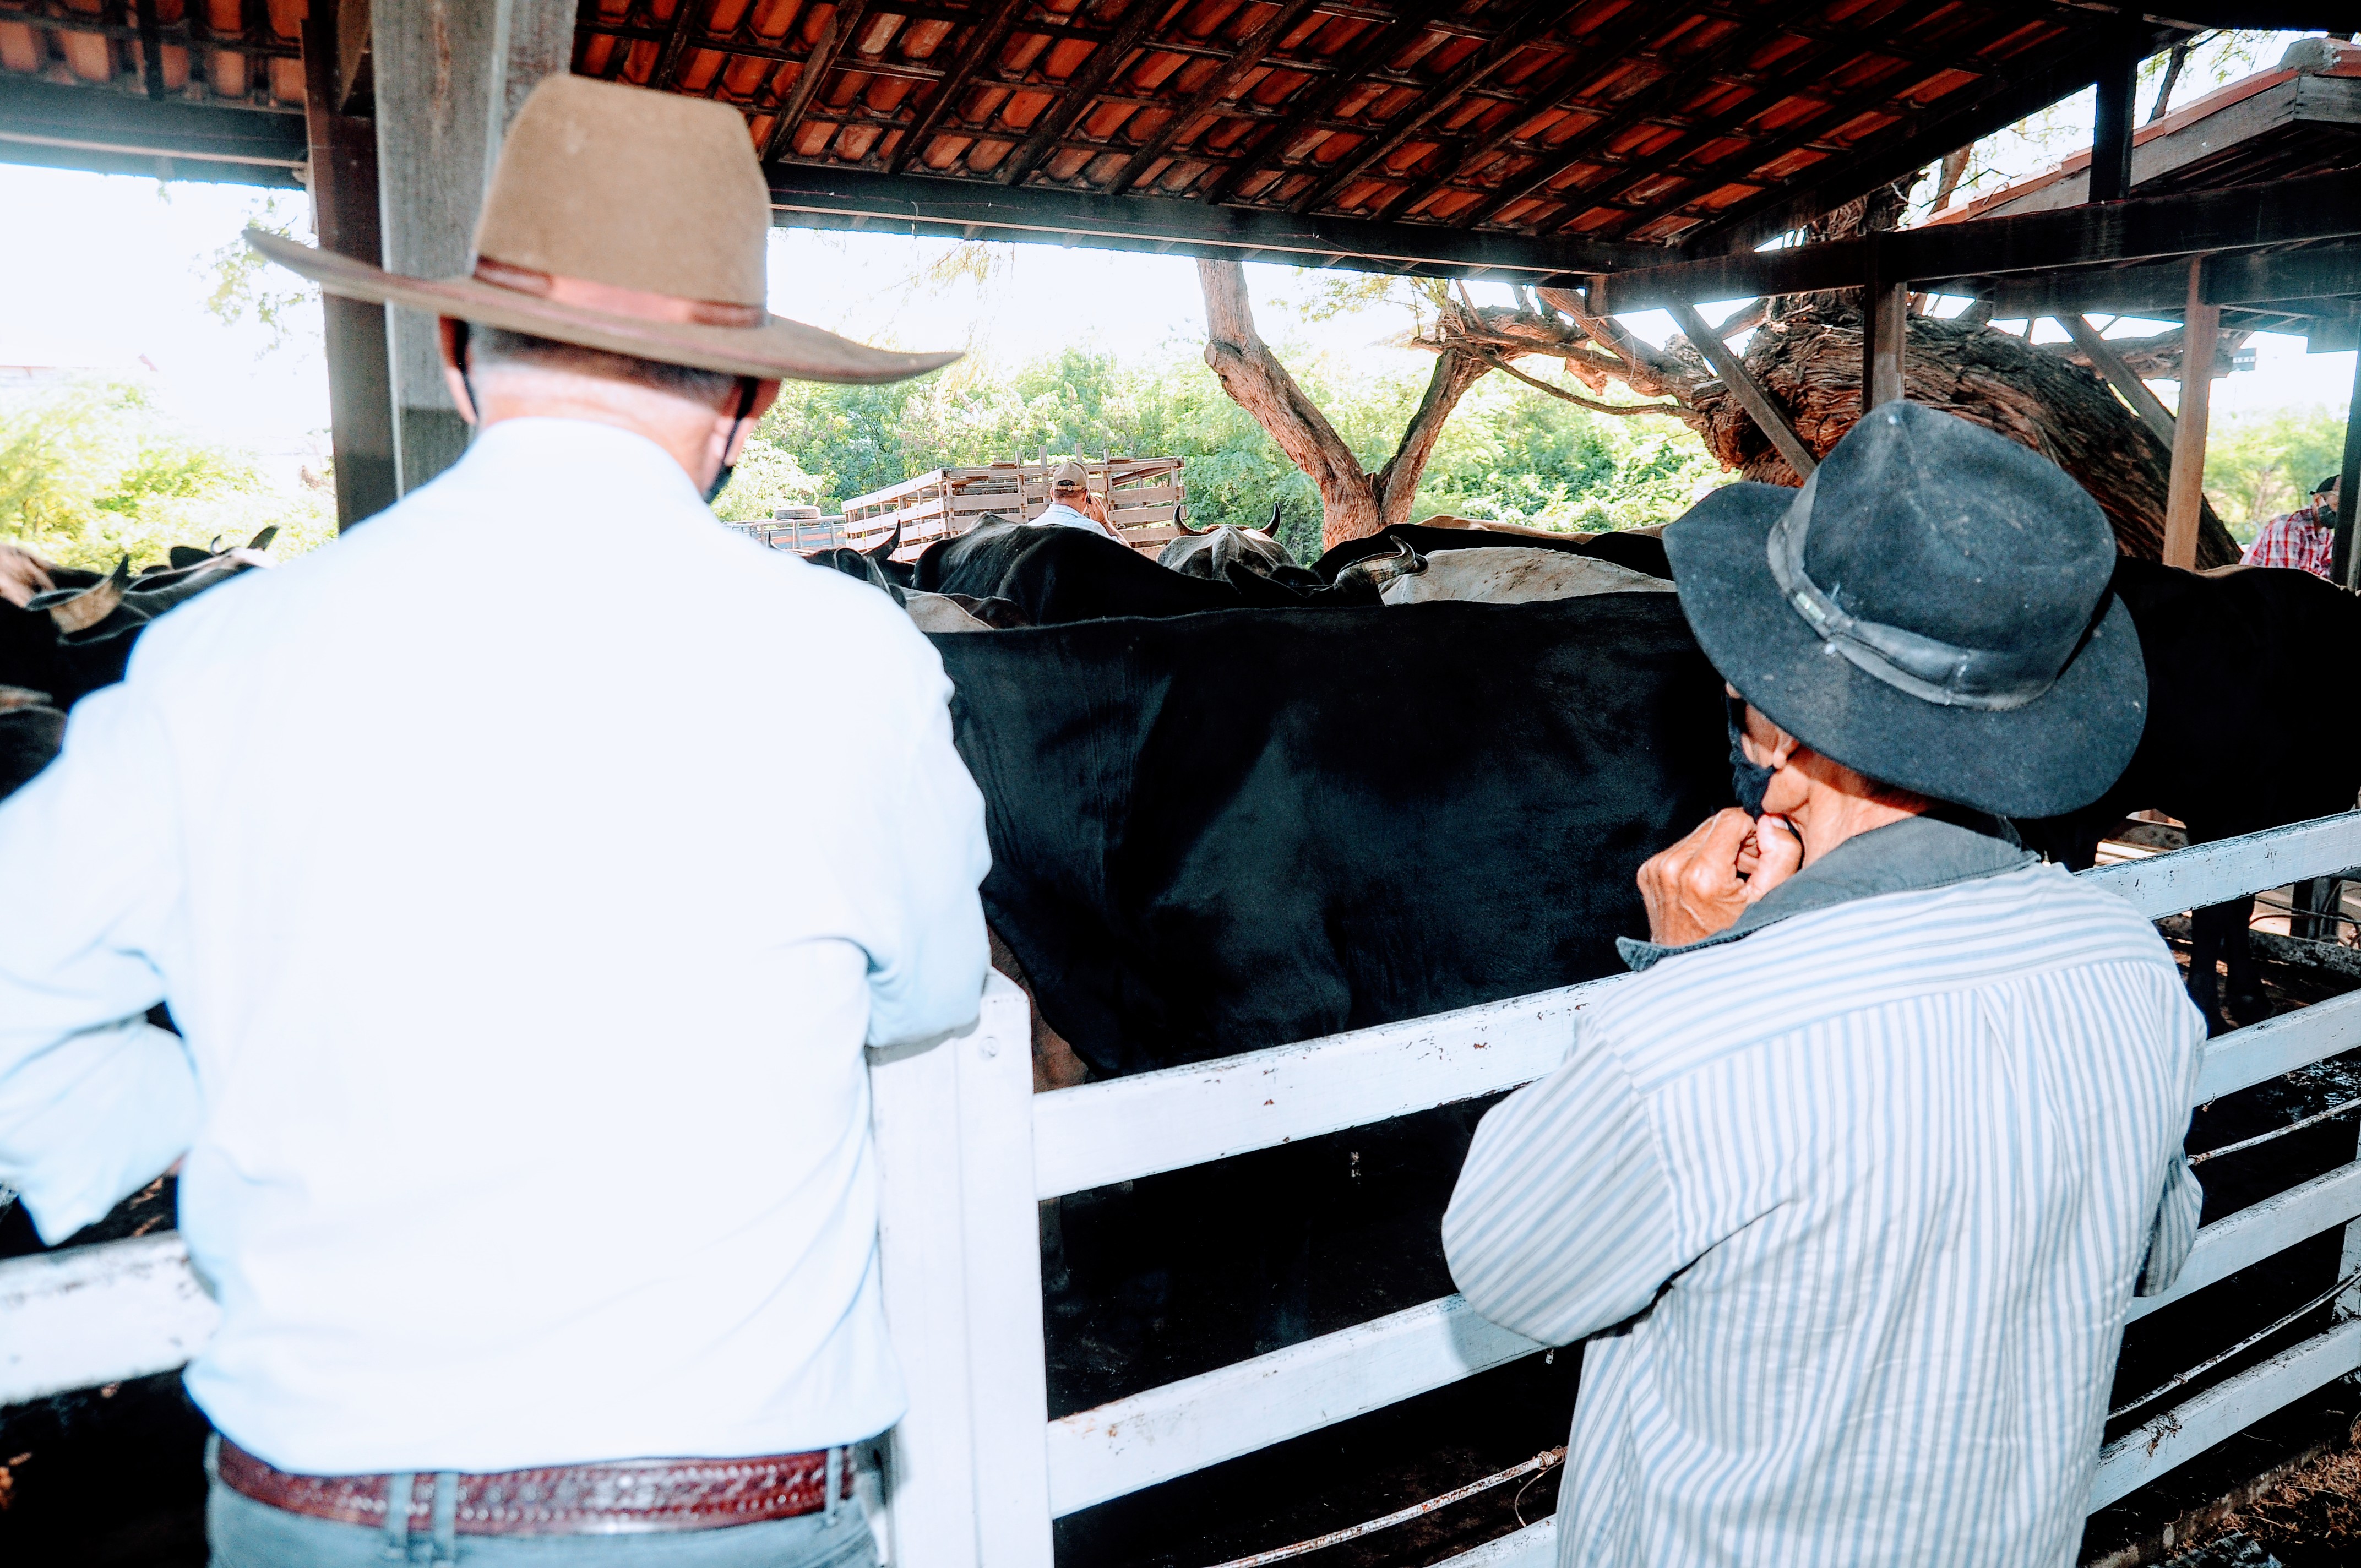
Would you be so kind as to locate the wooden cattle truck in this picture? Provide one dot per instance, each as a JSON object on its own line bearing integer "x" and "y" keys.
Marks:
{"x": 1144, "y": 497}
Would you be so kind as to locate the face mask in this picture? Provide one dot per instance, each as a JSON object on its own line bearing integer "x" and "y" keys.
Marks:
{"x": 1748, "y": 780}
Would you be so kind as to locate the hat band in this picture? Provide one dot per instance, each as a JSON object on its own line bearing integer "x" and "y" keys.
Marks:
{"x": 1925, "y": 667}
{"x": 614, "y": 300}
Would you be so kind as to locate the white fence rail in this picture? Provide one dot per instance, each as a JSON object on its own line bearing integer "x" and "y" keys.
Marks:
{"x": 977, "y": 1472}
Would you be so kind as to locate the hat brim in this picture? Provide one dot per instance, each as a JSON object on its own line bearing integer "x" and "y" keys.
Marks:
{"x": 2056, "y": 753}
{"x": 779, "y": 350}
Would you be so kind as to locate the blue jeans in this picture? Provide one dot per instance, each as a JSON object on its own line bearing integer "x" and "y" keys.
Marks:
{"x": 244, "y": 1533}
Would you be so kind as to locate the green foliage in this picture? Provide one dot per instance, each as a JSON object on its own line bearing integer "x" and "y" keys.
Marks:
{"x": 93, "y": 473}
{"x": 2259, "y": 466}
{"x": 767, "y": 477}
{"x": 1506, "y": 453}
{"x": 246, "y": 284}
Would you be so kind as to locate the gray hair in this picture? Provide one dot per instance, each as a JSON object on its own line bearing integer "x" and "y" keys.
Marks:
{"x": 490, "y": 345}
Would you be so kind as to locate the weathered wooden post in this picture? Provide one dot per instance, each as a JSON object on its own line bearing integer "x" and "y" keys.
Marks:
{"x": 2185, "y": 500}
{"x": 449, "y": 75}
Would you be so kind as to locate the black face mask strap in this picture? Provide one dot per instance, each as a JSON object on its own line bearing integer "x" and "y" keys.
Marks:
{"x": 747, "y": 391}
{"x": 460, "y": 353}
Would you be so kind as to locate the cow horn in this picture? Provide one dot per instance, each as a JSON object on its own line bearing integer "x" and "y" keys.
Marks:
{"x": 79, "y": 612}
{"x": 893, "y": 541}
{"x": 1412, "y": 562}
{"x": 1270, "y": 528}
{"x": 1182, "y": 524}
{"x": 262, "y": 540}
{"x": 213, "y": 546}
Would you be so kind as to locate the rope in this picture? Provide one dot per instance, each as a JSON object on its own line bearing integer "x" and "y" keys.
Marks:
{"x": 2274, "y": 1133}
{"x": 1539, "y": 1462}
{"x": 2251, "y": 1340}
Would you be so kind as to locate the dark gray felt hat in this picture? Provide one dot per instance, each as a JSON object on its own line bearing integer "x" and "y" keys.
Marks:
{"x": 1933, "y": 608}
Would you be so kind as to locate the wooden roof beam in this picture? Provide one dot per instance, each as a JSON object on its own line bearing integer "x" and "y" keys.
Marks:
{"x": 2283, "y": 278}
{"x": 983, "y": 44}
{"x": 2287, "y": 211}
{"x": 843, "y": 24}
{"x": 1250, "y": 53}
{"x": 1672, "y": 88}
{"x": 1388, "y": 139}
{"x": 1076, "y": 93}
{"x": 828, "y": 196}
{"x": 1320, "y": 103}
{"x": 1615, "y": 41}
{"x": 1787, "y": 205}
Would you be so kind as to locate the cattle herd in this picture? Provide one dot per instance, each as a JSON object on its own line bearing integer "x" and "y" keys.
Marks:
{"x": 1236, "y": 802}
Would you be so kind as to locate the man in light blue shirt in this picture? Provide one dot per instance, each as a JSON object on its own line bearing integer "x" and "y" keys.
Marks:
{"x": 522, "y": 1096}
{"x": 1849, "y": 1189}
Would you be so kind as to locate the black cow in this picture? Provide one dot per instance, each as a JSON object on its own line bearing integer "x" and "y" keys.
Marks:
{"x": 2239, "y": 737}
{"x": 30, "y": 733}
{"x": 1641, "y": 552}
{"x": 77, "y": 638}
{"x": 1212, "y": 833}
{"x": 1217, "y": 833}
{"x": 1056, "y": 575}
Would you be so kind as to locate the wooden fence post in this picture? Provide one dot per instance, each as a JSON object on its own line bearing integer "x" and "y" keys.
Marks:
{"x": 967, "y": 1481}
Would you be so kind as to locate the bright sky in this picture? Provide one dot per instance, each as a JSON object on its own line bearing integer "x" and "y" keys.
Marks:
{"x": 122, "y": 269}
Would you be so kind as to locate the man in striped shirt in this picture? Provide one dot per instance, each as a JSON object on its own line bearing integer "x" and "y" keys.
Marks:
{"x": 1854, "y": 1182}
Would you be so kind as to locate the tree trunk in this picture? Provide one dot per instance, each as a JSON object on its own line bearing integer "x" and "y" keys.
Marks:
{"x": 1354, "y": 502}
{"x": 1810, "y": 360}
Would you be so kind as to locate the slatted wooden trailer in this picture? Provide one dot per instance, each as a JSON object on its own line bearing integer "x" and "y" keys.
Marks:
{"x": 1146, "y": 499}
{"x": 976, "y": 1473}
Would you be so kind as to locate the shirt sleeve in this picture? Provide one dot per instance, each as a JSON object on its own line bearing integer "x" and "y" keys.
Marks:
{"x": 1562, "y": 1222}
{"x": 2173, "y": 1232}
{"x": 932, "y": 979}
{"x": 93, "y": 1103}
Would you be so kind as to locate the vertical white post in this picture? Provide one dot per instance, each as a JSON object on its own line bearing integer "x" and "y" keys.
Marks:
{"x": 968, "y": 1480}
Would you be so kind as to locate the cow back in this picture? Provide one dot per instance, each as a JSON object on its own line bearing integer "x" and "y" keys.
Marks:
{"x": 1639, "y": 552}
{"x": 1223, "y": 832}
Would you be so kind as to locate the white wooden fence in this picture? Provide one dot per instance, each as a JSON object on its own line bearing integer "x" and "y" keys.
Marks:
{"x": 976, "y": 1471}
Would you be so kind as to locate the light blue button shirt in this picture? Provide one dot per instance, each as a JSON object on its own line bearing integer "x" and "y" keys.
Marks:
{"x": 526, "y": 870}
{"x": 1850, "y": 1211}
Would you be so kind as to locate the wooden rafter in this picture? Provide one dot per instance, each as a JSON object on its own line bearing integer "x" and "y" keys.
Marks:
{"x": 1925, "y": 134}
{"x": 984, "y": 42}
{"x": 1470, "y": 73}
{"x": 843, "y": 23}
{"x": 1585, "y": 146}
{"x": 676, "y": 39}
{"x": 1382, "y": 45}
{"x": 1615, "y": 41}
{"x": 1076, "y": 93}
{"x": 1250, "y": 53}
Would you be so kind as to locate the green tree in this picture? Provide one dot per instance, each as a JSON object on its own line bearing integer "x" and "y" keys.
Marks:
{"x": 94, "y": 472}
{"x": 2260, "y": 465}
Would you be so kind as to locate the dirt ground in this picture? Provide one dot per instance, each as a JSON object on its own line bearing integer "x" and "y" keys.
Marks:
{"x": 2311, "y": 1519}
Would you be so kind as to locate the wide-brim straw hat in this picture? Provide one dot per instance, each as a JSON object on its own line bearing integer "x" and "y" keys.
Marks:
{"x": 1934, "y": 609}
{"x": 624, "y": 219}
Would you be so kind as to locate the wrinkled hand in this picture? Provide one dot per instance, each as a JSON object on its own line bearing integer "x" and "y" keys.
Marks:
{"x": 1702, "y": 885}
{"x": 22, "y": 574}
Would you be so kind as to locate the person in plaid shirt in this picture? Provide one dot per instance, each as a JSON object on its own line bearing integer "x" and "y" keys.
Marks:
{"x": 2304, "y": 539}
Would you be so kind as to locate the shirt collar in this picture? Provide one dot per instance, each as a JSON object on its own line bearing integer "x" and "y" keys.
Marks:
{"x": 1930, "y": 850}
{"x": 567, "y": 449}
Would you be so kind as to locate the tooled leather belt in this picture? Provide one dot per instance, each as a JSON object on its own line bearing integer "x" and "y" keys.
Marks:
{"x": 631, "y": 1496}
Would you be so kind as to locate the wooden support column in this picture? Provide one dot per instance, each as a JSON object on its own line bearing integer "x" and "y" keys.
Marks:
{"x": 2110, "y": 133}
{"x": 1752, "y": 395}
{"x": 1885, "y": 327}
{"x": 344, "y": 217}
{"x": 2185, "y": 500}
{"x": 2347, "y": 486}
{"x": 447, "y": 73}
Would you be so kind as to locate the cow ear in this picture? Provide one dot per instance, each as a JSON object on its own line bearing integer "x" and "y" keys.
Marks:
{"x": 1270, "y": 528}
{"x": 79, "y": 609}
{"x": 262, "y": 540}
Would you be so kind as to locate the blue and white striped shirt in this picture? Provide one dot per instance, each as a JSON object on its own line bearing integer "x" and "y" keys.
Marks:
{"x": 1855, "y": 1206}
